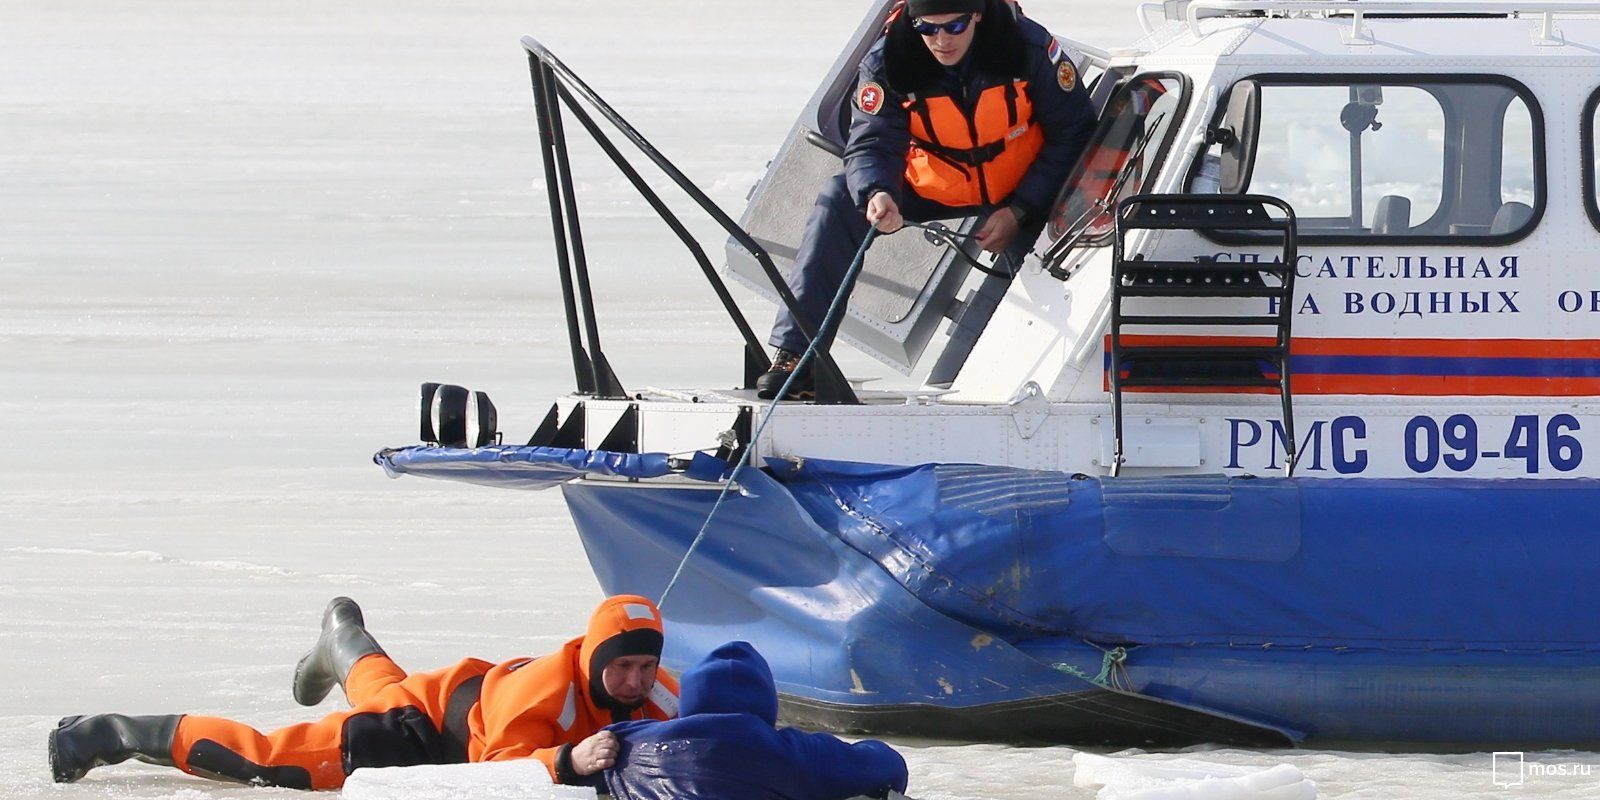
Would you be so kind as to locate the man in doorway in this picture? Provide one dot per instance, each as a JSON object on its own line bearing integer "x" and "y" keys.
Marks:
{"x": 963, "y": 108}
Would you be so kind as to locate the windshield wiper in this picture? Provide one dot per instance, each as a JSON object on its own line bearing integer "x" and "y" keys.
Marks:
{"x": 1102, "y": 205}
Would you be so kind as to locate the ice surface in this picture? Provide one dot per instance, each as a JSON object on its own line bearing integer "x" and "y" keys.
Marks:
{"x": 1091, "y": 770}
{"x": 1184, "y": 779}
{"x": 234, "y": 237}
{"x": 504, "y": 780}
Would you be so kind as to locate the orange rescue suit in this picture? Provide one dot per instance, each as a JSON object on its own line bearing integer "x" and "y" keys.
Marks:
{"x": 533, "y": 707}
{"x": 472, "y": 711}
{"x": 962, "y": 160}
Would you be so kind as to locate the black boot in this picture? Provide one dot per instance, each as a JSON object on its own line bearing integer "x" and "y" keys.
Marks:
{"x": 343, "y": 642}
{"x": 79, "y": 744}
{"x": 783, "y": 365}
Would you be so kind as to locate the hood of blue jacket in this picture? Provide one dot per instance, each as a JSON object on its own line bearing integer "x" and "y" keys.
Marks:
{"x": 733, "y": 679}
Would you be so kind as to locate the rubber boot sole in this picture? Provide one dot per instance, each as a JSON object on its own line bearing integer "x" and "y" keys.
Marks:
{"x": 57, "y": 772}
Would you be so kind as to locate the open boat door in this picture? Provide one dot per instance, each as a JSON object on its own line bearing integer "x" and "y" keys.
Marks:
{"x": 909, "y": 284}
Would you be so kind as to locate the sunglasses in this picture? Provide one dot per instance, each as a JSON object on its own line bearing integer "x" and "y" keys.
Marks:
{"x": 954, "y": 27}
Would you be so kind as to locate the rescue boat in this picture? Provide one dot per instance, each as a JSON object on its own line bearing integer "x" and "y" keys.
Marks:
{"x": 1284, "y": 433}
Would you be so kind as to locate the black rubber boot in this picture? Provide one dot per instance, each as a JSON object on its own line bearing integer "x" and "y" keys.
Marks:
{"x": 343, "y": 642}
{"x": 783, "y": 365}
{"x": 79, "y": 744}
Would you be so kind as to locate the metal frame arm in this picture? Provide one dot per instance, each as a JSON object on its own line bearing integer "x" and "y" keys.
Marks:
{"x": 555, "y": 84}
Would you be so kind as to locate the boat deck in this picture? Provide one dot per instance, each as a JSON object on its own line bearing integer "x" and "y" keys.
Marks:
{"x": 747, "y": 397}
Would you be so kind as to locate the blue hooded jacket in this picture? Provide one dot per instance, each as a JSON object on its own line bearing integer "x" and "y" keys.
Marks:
{"x": 724, "y": 745}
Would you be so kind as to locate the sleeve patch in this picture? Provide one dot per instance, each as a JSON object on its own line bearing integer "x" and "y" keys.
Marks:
{"x": 1054, "y": 51}
{"x": 869, "y": 98}
{"x": 1066, "y": 75}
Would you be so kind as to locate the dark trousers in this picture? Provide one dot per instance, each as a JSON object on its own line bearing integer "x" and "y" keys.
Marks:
{"x": 834, "y": 231}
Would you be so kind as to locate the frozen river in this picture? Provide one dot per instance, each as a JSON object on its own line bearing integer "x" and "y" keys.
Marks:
{"x": 234, "y": 237}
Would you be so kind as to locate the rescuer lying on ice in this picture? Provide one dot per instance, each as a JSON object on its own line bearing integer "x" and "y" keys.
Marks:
{"x": 551, "y": 708}
{"x": 725, "y": 745}
{"x": 962, "y": 108}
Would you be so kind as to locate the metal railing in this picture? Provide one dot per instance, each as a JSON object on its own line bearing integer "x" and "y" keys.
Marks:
{"x": 555, "y": 86}
{"x": 1546, "y": 9}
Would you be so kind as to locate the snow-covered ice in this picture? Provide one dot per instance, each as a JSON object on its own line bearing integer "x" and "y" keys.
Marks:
{"x": 1133, "y": 778}
{"x": 234, "y": 237}
{"x": 504, "y": 780}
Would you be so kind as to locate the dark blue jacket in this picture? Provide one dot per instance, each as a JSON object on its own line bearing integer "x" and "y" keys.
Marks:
{"x": 723, "y": 746}
{"x": 875, "y": 153}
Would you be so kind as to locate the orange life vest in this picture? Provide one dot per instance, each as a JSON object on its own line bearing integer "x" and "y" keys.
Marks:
{"x": 961, "y": 161}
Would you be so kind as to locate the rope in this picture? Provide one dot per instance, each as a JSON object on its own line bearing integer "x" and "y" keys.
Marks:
{"x": 939, "y": 234}
{"x": 1113, "y": 670}
{"x": 935, "y": 230}
{"x": 1113, "y": 665}
{"x": 805, "y": 358}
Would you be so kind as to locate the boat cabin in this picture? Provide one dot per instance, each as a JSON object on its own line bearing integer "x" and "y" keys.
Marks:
{"x": 1332, "y": 238}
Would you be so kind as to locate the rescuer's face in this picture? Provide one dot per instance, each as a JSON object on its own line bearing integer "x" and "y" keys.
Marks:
{"x": 949, "y": 48}
{"x": 629, "y": 679}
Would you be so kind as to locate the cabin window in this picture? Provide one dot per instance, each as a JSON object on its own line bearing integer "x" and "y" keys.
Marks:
{"x": 1397, "y": 158}
{"x": 1136, "y": 128}
{"x": 1591, "y": 154}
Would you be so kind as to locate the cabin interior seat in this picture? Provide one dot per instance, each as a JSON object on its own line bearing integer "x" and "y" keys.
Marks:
{"x": 1511, "y": 217}
{"x": 1392, "y": 217}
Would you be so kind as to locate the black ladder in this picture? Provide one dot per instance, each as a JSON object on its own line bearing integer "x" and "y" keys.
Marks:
{"x": 1203, "y": 292}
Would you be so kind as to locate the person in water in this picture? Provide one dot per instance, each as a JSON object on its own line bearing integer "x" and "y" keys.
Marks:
{"x": 551, "y": 708}
{"x": 724, "y": 745}
{"x": 962, "y": 108}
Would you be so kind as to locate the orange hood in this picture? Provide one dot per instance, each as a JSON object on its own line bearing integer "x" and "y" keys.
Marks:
{"x": 621, "y": 626}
